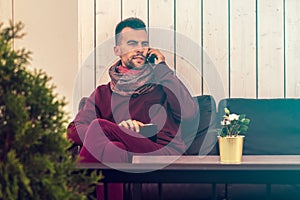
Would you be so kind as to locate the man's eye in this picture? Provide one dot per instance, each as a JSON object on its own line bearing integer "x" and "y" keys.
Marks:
{"x": 132, "y": 43}
{"x": 145, "y": 44}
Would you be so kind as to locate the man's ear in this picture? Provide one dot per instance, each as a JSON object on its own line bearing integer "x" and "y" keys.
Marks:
{"x": 117, "y": 50}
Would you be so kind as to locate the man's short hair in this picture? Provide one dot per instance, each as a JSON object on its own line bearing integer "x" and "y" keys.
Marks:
{"x": 132, "y": 22}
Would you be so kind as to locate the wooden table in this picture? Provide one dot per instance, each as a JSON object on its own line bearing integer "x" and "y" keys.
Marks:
{"x": 258, "y": 169}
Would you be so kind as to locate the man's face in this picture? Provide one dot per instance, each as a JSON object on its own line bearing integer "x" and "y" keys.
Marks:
{"x": 132, "y": 47}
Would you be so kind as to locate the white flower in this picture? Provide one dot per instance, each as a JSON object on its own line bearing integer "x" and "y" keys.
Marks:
{"x": 233, "y": 124}
{"x": 232, "y": 117}
{"x": 225, "y": 122}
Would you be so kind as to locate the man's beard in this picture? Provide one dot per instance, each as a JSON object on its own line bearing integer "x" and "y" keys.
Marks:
{"x": 131, "y": 65}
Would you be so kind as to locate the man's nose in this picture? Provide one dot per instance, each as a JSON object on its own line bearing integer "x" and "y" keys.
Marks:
{"x": 140, "y": 47}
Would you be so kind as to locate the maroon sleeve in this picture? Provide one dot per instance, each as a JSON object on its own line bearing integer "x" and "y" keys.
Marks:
{"x": 77, "y": 128}
{"x": 179, "y": 99}
{"x": 73, "y": 135}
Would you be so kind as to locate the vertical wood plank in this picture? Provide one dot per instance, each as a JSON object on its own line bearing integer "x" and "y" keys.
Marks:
{"x": 161, "y": 16}
{"x": 85, "y": 79}
{"x": 188, "y": 59}
{"x": 86, "y": 28}
{"x": 215, "y": 45}
{"x": 270, "y": 49}
{"x": 108, "y": 16}
{"x": 242, "y": 49}
{"x": 135, "y": 8}
{"x": 293, "y": 48}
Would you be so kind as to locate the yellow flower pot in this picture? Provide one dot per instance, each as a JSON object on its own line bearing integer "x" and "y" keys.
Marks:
{"x": 231, "y": 149}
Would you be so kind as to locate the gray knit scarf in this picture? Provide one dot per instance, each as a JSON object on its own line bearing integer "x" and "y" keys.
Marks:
{"x": 135, "y": 81}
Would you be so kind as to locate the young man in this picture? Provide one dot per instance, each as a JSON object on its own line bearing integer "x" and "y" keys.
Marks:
{"x": 139, "y": 93}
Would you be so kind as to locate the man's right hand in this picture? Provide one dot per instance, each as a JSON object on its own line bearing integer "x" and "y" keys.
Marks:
{"x": 130, "y": 124}
{"x": 159, "y": 56}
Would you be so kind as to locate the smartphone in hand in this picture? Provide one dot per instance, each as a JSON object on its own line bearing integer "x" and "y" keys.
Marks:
{"x": 149, "y": 131}
{"x": 151, "y": 58}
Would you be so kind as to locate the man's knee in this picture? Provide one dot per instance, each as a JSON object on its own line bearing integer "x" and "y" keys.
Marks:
{"x": 115, "y": 152}
{"x": 116, "y": 144}
{"x": 98, "y": 123}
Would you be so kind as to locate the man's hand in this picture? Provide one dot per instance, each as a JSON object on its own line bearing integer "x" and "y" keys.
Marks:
{"x": 133, "y": 125}
{"x": 159, "y": 56}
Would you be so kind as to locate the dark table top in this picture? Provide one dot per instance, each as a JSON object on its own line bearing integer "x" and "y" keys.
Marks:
{"x": 273, "y": 169}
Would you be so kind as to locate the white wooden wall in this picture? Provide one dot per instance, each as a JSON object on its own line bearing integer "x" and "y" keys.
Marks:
{"x": 256, "y": 54}
{"x": 253, "y": 44}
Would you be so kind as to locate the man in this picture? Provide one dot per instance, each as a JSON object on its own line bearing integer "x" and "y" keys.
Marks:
{"x": 139, "y": 93}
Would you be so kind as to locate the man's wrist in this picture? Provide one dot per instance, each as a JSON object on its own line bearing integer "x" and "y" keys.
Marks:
{"x": 161, "y": 69}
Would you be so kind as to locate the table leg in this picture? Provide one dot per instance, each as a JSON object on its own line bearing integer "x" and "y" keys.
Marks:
{"x": 105, "y": 191}
{"x": 226, "y": 191}
{"x": 160, "y": 195}
{"x": 136, "y": 191}
{"x": 214, "y": 196}
{"x": 268, "y": 190}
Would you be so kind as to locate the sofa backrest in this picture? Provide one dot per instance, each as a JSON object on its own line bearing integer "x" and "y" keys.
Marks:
{"x": 82, "y": 103}
{"x": 275, "y": 124}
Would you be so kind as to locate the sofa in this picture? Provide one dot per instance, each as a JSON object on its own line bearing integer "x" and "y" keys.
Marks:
{"x": 274, "y": 130}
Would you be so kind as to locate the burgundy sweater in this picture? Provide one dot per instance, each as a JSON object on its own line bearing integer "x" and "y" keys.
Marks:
{"x": 167, "y": 105}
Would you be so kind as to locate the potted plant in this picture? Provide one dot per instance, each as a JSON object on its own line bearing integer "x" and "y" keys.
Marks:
{"x": 229, "y": 138}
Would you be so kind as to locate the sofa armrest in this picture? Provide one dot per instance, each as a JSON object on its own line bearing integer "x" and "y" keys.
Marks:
{"x": 203, "y": 142}
{"x": 75, "y": 148}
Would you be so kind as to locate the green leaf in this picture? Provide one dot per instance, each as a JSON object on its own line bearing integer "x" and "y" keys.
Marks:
{"x": 244, "y": 128}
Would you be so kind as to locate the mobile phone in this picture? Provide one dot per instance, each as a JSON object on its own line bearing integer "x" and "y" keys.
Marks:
{"x": 151, "y": 59}
{"x": 149, "y": 131}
